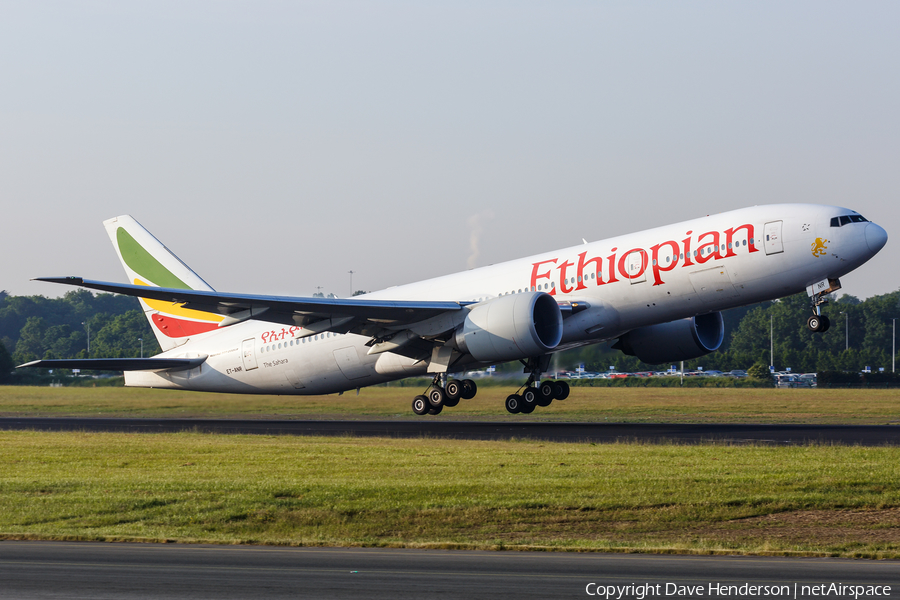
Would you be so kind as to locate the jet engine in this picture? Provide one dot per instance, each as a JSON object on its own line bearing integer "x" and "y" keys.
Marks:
{"x": 511, "y": 327}
{"x": 677, "y": 340}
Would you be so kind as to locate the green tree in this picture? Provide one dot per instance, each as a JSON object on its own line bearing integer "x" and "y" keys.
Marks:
{"x": 6, "y": 364}
{"x": 120, "y": 337}
{"x": 31, "y": 340}
{"x": 760, "y": 371}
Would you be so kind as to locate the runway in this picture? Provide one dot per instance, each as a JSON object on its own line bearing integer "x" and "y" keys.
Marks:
{"x": 776, "y": 434}
{"x": 124, "y": 571}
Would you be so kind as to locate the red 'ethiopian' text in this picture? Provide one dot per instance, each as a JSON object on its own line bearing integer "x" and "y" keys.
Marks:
{"x": 573, "y": 275}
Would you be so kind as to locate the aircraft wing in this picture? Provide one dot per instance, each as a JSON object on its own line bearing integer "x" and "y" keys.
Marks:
{"x": 331, "y": 314}
{"x": 118, "y": 364}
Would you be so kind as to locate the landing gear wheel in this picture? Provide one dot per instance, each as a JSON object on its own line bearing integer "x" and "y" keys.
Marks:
{"x": 452, "y": 392}
{"x": 826, "y": 323}
{"x": 529, "y": 399}
{"x": 542, "y": 398}
{"x": 436, "y": 397}
{"x": 815, "y": 323}
{"x": 469, "y": 389}
{"x": 564, "y": 390}
{"x": 435, "y": 410}
{"x": 420, "y": 405}
{"x": 514, "y": 403}
{"x": 548, "y": 389}
{"x": 557, "y": 390}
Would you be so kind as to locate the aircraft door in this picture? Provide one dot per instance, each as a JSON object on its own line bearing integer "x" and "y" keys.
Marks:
{"x": 248, "y": 354}
{"x": 634, "y": 265}
{"x": 773, "y": 242}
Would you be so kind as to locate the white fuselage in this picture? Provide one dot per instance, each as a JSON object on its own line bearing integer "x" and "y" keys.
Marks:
{"x": 655, "y": 276}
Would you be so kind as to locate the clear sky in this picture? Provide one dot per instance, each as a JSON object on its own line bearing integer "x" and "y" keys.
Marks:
{"x": 275, "y": 146}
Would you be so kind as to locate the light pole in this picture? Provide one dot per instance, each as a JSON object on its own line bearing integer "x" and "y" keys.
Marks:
{"x": 351, "y": 283}
{"x": 88, "y": 325}
{"x": 141, "y": 340}
{"x": 894, "y": 346}
{"x": 771, "y": 343}
{"x": 846, "y": 330}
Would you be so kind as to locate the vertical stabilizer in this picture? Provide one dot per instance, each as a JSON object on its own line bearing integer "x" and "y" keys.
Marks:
{"x": 148, "y": 262}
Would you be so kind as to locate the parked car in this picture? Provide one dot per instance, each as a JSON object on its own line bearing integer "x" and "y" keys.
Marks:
{"x": 810, "y": 378}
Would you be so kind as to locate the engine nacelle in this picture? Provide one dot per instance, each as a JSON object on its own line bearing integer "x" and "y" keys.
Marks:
{"x": 677, "y": 340}
{"x": 511, "y": 327}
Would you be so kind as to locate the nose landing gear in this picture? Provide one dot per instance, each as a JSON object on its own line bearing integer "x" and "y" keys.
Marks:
{"x": 818, "y": 294}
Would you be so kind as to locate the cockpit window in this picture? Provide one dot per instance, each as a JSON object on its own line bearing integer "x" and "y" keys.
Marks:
{"x": 847, "y": 219}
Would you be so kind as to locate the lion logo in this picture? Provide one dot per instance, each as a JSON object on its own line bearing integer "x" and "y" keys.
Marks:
{"x": 819, "y": 247}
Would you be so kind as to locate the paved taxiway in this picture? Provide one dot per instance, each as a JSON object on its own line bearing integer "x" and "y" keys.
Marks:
{"x": 124, "y": 571}
{"x": 866, "y": 435}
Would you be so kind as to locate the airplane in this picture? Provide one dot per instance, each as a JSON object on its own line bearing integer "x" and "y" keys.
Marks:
{"x": 658, "y": 293}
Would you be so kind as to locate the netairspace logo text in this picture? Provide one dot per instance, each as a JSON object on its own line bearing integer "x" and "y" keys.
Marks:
{"x": 640, "y": 591}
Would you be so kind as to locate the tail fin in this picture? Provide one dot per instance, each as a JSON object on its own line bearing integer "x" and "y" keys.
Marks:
{"x": 148, "y": 262}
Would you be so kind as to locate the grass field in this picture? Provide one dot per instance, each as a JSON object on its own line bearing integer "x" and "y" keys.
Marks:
{"x": 831, "y": 500}
{"x": 662, "y": 405}
{"x": 443, "y": 493}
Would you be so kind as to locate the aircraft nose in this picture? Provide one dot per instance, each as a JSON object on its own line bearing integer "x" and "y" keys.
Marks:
{"x": 876, "y": 237}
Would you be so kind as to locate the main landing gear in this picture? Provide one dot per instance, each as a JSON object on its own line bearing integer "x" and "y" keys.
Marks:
{"x": 443, "y": 393}
{"x": 533, "y": 396}
{"x": 530, "y": 396}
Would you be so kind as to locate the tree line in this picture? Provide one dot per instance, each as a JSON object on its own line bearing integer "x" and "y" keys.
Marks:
{"x": 35, "y": 327}
{"x": 861, "y": 334}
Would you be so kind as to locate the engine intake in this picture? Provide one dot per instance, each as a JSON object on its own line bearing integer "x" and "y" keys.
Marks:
{"x": 511, "y": 327}
{"x": 677, "y": 340}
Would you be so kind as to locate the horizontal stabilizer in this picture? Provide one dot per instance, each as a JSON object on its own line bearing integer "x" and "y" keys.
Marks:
{"x": 118, "y": 364}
